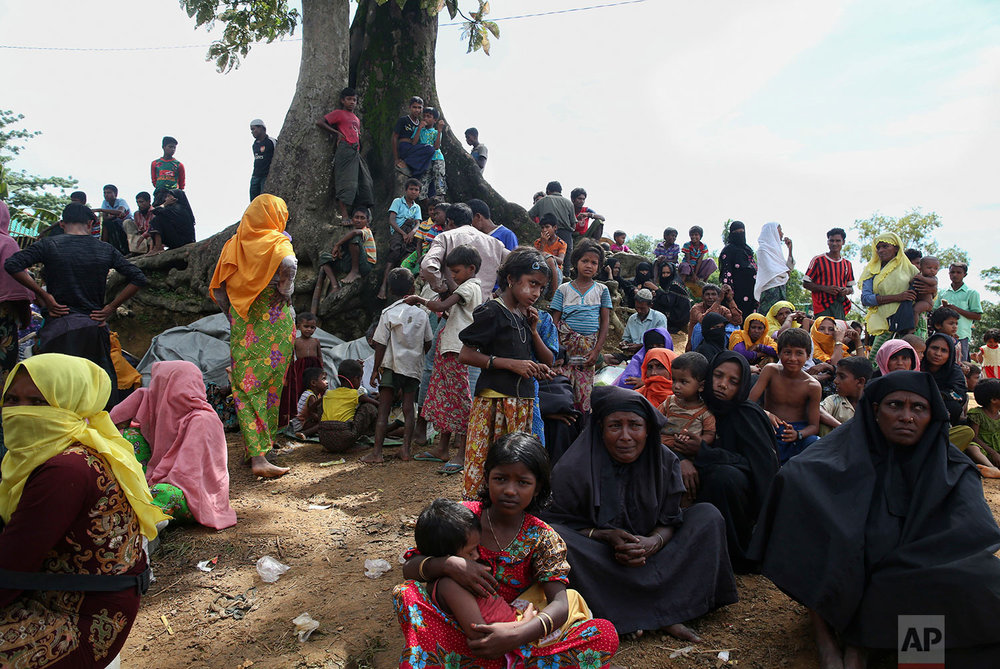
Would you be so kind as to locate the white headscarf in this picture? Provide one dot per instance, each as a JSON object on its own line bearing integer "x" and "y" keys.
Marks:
{"x": 772, "y": 266}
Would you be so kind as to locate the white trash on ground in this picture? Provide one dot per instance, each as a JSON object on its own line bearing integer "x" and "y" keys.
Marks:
{"x": 375, "y": 568}
{"x": 270, "y": 569}
{"x": 305, "y": 625}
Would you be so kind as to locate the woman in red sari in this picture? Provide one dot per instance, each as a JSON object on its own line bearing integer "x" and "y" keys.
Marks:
{"x": 521, "y": 551}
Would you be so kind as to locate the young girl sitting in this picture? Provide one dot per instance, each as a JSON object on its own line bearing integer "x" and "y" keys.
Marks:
{"x": 753, "y": 342}
{"x": 442, "y": 609}
{"x": 985, "y": 420}
{"x": 657, "y": 384}
{"x": 448, "y": 399}
{"x": 689, "y": 422}
{"x": 500, "y": 341}
{"x": 581, "y": 311}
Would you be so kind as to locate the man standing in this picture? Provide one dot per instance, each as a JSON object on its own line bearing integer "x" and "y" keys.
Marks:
{"x": 479, "y": 151}
{"x": 964, "y": 300}
{"x": 830, "y": 278}
{"x": 554, "y": 203}
{"x": 481, "y": 221}
{"x": 263, "y": 152}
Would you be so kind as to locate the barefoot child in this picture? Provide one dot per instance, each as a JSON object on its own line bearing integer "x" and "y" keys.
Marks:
{"x": 852, "y": 375}
{"x": 462, "y": 622}
{"x": 306, "y": 355}
{"x": 402, "y": 337}
{"x": 925, "y": 284}
{"x": 449, "y": 399}
{"x": 689, "y": 422}
{"x": 354, "y": 254}
{"x": 791, "y": 397}
{"x": 668, "y": 249}
{"x": 581, "y": 312}
{"x": 310, "y": 405}
{"x": 697, "y": 265}
{"x": 500, "y": 341}
{"x": 349, "y": 413}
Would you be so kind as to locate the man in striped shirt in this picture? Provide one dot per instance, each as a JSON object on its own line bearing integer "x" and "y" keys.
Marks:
{"x": 830, "y": 278}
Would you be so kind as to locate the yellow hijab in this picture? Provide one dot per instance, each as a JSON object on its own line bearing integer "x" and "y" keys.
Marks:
{"x": 772, "y": 321}
{"x": 822, "y": 343}
{"x": 76, "y": 390}
{"x": 251, "y": 257}
{"x": 892, "y": 278}
{"x": 744, "y": 334}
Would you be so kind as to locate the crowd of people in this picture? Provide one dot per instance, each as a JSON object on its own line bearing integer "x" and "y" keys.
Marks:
{"x": 614, "y": 478}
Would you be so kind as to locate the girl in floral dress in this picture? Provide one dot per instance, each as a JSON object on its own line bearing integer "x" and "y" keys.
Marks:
{"x": 527, "y": 561}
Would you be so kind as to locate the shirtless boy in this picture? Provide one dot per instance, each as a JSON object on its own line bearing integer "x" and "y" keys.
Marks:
{"x": 791, "y": 396}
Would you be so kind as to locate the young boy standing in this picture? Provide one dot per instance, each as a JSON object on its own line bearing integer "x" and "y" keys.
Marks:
{"x": 963, "y": 300}
{"x": 791, "y": 396}
{"x": 351, "y": 177}
{"x": 167, "y": 173}
{"x": 830, "y": 278}
{"x": 852, "y": 375}
{"x": 404, "y": 215}
{"x": 402, "y": 338}
{"x": 479, "y": 151}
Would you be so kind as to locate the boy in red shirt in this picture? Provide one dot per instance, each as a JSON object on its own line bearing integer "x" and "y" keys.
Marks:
{"x": 351, "y": 177}
{"x": 167, "y": 173}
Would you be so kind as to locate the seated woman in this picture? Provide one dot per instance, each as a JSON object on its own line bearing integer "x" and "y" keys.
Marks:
{"x": 657, "y": 379}
{"x": 753, "y": 342}
{"x": 173, "y": 225}
{"x": 918, "y": 537}
{"x": 635, "y": 556}
{"x": 655, "y": 338}
{"x": 526, "y": 559}
{"x": 896, "y": 355}
{"x": 735, "y": 471}
{"x": 781, "y": 316}
{"x": 74, "y": 506}
{"x": 181, "y": 445}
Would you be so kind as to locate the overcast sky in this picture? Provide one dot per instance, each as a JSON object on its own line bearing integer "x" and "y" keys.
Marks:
{"x": 667, "y": 112}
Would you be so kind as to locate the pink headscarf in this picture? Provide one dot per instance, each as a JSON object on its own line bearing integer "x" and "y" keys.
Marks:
{"x": 9, "y": 288}
{"x": 891, "y": 348}
{"x": 186, "y": 437}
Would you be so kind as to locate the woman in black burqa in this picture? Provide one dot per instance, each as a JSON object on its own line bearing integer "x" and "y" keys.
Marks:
{"x": 736, "y": 470}
{"x": 737, "y": 268}
{"x": 636, "y": 556}
{"x": 883, "y": 518}
{"x": 173, "y": 224}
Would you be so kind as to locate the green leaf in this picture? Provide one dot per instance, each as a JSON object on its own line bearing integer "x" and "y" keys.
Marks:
{"x": 492, "y": 27}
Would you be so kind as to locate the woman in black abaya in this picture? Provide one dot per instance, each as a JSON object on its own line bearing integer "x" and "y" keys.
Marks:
{"x": 882, "y": 518}
{"x": 737, "y": 267}
{"x": 636, "y": 557}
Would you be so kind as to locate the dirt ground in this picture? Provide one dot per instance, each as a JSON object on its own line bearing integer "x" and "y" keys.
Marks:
{"x": 323, "y": 520}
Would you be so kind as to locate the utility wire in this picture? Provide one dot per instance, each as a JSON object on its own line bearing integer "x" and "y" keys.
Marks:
{"x": 15, "y": 47}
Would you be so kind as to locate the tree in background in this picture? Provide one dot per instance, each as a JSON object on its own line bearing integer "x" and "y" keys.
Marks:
{"x": 642, "y": 245}
{"x": 34, "y": 201}
{"x": 915, "y": 228}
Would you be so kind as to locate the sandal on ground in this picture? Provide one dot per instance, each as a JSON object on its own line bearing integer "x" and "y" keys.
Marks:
{"x": 450, "y": 468}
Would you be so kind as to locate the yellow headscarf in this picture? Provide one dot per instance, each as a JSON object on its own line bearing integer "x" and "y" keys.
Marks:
{"x": 744, "y": 334}
{"x": 822, "y": 343}
{"x": 892, "y": 278}
{"x": 772, "y": 322}
{"x": 76, "y": 390}
{"x": 251, "y": 257}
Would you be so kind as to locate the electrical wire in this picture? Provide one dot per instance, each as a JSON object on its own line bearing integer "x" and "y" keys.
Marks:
{"x": 16, "y": 47}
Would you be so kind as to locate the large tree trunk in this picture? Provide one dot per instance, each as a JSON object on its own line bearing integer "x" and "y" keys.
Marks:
{"x": 388, "y": 54}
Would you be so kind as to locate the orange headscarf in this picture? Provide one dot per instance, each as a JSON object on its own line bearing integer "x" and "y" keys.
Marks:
{"x": 823, "y": 344}
{"x": 251, "y": 257}
{"x": 658, "y": 388}
{"x": 744, "y": 334}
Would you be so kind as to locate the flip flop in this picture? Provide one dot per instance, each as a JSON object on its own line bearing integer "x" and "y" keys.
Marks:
{"x": 427, "y": 457}
{"x": 450, "y": 468}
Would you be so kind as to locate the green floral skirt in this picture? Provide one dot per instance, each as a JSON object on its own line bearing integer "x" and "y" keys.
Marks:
{"x": 168, "y": 497}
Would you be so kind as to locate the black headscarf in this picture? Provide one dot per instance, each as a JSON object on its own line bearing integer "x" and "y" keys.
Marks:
{"x": 590, "y": 489}
{"x": 607, "y": 272}
{"x": 672, "y": 299}
{"x": 744, "y": 436}
{"x": 949, "y": 379}
{"x": 861, "y": 530}
{"x": 713, "y": 335}
{"x": 643, "y": 273}
{"x": 738, "y": 269}
{"x": 736, "y": 240}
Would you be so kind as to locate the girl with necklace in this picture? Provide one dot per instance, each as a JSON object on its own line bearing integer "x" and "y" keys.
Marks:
{"x": 500, "y": 341}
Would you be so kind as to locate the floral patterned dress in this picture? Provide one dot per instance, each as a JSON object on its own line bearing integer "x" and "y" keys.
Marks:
{"x": 261, "y": 346}
{"x": 434, "y": 640}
